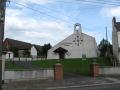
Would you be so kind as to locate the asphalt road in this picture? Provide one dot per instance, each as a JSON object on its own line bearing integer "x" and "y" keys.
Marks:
{"x": 69, "y": 83}
{"x": 96, "y": 87}
{"x": 93, "y": 87}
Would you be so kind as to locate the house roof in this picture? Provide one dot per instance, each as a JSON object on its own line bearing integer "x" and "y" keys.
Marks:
{"x": 18, "y": 44}
{"x": 38, "y": 47}
{"x": 4, "y": 48}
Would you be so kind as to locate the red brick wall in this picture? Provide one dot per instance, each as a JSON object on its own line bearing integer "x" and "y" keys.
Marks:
{"x": 58, "y": 72}
{"x": 94, "y": 70}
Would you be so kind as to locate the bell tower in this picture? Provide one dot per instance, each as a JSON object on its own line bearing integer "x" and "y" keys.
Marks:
{"x": 77, "y": 28}
{"x": 78, "y": 37}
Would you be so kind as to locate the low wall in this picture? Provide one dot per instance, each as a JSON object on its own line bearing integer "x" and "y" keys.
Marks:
{"x": 25, "y": 59}
{"x": 29, "y": 74}
{"x": 22, "y": 59}
{"x": 109, "y": 71}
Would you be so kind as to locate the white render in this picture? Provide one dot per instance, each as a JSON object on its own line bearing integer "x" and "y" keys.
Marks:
{"x": 116, "y": 40}
{"x": 28, "y": 74}
{"x": 33, "y": 52}
{"x": 77, "y": 45}
{"x": 9, "y": 55}
{"x": 109, "y": 71}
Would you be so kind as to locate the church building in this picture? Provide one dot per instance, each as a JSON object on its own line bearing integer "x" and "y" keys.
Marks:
{"x": 77, "y": 45}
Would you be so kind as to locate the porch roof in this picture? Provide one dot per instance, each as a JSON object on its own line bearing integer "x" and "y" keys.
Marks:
{"x": 60, "y": 49}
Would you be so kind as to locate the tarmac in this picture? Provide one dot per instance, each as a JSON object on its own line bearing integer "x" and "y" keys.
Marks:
{"x": 69, "y": 81}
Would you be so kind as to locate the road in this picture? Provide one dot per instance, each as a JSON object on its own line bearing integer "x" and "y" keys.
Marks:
{"x": 69, "y": 83}
{"x": 94, "y": 87}
{"x": 114, "y": 86}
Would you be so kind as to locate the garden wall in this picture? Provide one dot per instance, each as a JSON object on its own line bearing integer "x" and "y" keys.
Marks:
{"x": 109, "y": 71}
{"x": 25, "y": 59}
{"x": 29, "y": 74}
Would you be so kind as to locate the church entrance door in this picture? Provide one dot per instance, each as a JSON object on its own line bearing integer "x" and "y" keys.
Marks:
{"x": 62, "y": 55}
{"x": 61, "y": 52}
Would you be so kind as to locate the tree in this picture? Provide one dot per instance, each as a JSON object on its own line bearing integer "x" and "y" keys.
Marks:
{"x": 15, "y": 51}
{"x": 105, "y": 48}
{"x": 26, "y": 53}
{"x": 45, "y": 49}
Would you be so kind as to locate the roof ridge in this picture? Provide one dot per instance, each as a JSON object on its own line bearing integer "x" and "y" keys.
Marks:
{"x": 18, "y": 40}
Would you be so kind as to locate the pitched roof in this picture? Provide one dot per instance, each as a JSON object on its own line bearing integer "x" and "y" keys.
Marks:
{"x": 19, "y": 44}
{"x": 38, "y": 47}
{"x": 4, "y": 48}
{"x": 60, "y": 49}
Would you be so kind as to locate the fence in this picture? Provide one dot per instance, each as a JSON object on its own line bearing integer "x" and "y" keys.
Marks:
{"x": 26, "y": 59}
{"x": 28, "y": 74}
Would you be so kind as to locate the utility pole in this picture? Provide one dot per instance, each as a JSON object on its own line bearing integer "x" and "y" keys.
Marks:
{"x": 2, "y": 22}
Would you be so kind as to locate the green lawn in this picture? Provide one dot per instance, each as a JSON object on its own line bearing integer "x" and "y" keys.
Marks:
{"x": 10, "y": 65}
{"x": 73, "y": 65}
{"x": 70, "y": 65}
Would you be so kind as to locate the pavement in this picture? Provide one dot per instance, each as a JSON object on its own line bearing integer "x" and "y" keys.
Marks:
{"x": 114, "y": 86}
{"x": 70, "y": 82}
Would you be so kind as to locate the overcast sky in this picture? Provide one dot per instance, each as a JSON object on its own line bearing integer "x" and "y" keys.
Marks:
{"x": 51, "y": 21}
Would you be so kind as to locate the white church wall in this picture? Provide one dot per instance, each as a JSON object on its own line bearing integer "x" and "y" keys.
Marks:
{"x": 88, "y": 48}
{"x": 77, "y": 44}
{"x": 52, "y": 55}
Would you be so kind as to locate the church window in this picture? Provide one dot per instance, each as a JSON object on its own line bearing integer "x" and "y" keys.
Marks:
{"x": 77, "y": 40}
{"x": 73, "y": 40}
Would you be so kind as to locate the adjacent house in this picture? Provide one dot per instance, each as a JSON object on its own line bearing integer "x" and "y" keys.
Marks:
{"x": 77, "y": 45}
{"x": 21, "y": 49}
{"x": 36, "y": 50}
{"x": 116, "y": 39}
